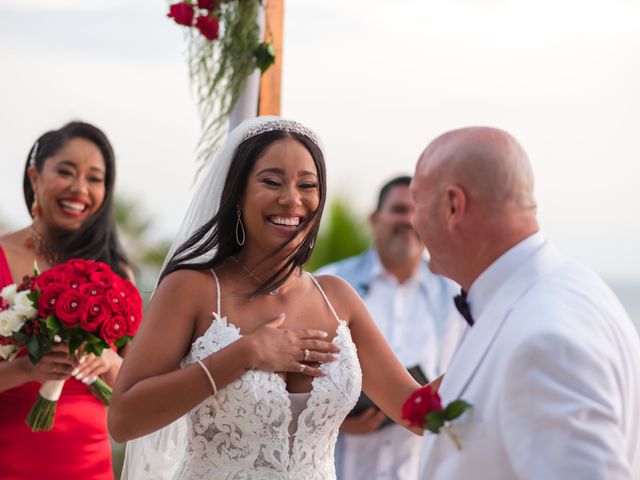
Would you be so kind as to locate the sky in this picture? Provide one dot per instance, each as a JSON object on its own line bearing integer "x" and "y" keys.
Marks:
{"x": 377, "y": 80}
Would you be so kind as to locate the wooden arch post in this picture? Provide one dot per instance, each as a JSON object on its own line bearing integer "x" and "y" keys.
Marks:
{"x": 271, "y": 80}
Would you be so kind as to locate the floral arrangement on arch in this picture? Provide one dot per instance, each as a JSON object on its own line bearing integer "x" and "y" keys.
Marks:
{"x": 224, "y": 48}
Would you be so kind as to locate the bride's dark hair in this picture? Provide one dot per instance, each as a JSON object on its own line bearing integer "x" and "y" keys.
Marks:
{"x": 218, "y": 235}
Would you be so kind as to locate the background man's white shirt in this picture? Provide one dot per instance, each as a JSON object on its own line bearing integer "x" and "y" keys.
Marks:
{"x": 419, "y": 320}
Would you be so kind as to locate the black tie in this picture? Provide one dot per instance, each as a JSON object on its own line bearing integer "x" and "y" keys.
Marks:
{"x": 463, "y": 307}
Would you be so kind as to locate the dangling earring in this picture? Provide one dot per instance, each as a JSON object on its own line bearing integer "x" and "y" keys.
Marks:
{"x": 35, "y": 208}
{"x": 239, "y": 227}
{"x": 312, "y": 244}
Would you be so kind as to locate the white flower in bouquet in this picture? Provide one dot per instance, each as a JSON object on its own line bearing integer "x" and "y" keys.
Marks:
{"x": 8, "y": 351}
{"x": 23, "y": 305}
{"x": 9, "y": 293}
{"x": 10, "y": 321}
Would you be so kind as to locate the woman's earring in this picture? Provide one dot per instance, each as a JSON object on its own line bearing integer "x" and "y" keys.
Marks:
{"x": 35, "y": 208}
{"x": 240, "y": 236}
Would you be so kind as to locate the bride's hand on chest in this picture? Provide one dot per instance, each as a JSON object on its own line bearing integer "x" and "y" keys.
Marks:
{"x": 275, "y": 347}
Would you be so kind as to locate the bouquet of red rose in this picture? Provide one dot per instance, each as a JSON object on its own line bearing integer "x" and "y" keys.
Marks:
{"x": 423, "y": 409}
{"x": 82, "y": 303}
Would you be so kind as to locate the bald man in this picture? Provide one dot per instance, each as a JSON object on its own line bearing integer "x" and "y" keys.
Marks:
{"x": 550, "y": 360}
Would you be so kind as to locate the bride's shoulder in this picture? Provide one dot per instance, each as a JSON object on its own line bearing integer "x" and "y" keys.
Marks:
{"x": 338, "y": 290}
{"x": 186, "y": 280}
{"x": 187, "y": 293}
{"x": 330, "y": 281}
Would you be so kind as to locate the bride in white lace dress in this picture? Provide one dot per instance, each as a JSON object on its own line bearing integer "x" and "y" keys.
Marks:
{"x": 245, "y": 365}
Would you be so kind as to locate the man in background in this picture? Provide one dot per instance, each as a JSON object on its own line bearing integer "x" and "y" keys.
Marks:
{"x": 414, "y": 310}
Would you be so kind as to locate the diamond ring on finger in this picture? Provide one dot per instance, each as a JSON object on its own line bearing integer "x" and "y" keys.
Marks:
{"x": 302, "y": 367}
{"x": 306, "y": 355}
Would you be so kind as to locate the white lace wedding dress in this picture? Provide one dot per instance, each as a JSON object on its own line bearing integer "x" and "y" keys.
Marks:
{"x": 243, "y": 431}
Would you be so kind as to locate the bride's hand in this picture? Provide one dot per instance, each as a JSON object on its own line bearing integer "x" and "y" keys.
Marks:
{"x": 278, "y": 349}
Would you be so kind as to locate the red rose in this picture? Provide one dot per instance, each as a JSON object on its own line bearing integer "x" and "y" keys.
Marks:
{"x": 182, "y": 13}
{"x": 91, "y": 289}
{"x": 74, "y": 280}
{"x": 208, "y": 26}
{"x": 102, "y": 278}
{"x": 133, "y": 303}
{"x": 50, "y": 278}
{"x": 133, "y": 294}
{"x": 419, "y": 404}
{"x": 69, "y": 307}
{"x": 95, "y": 312}
{"x": 133, "y": 317}
{"x": 79, "y": 266}
{"x": 62, "y": 269}
{"x": 48, "y": 299}
{"x": 207, "y": 4}
{"x": 101, "y": 267}
{"x": 117, "y": 298}
{"x": 112, "y": 328}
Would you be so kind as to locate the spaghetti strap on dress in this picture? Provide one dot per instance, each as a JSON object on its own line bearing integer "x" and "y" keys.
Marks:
{"x": 215, "y": 277}
{"x": 326, "y": 299}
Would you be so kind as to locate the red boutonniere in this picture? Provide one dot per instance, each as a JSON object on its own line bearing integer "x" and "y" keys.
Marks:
{"x": 424, "y": 409}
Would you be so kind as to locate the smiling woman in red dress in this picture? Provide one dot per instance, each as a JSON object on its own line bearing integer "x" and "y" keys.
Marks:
{"x": 68, "y": 187}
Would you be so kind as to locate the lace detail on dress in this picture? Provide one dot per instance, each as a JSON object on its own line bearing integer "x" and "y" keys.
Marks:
{"x": 332, "y": 398}
{"x": 242, "y": 432}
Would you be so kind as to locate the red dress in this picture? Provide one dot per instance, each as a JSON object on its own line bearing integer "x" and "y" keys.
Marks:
{"x": 77, "y": 448}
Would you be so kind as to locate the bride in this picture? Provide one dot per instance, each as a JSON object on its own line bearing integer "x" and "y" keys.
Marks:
{"x": 245, "y": 365}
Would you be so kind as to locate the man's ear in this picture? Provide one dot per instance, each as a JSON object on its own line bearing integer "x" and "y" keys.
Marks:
{"x": 456, "y": 202}
{"x": 373, "y": 218}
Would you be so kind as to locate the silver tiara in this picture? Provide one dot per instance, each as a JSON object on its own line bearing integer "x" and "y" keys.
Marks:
{"x": 34, "y": 152}
{"x": 281, "y": 125}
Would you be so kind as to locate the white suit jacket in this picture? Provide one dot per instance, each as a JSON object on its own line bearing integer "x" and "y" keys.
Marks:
{"x": 552, "y": 369}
